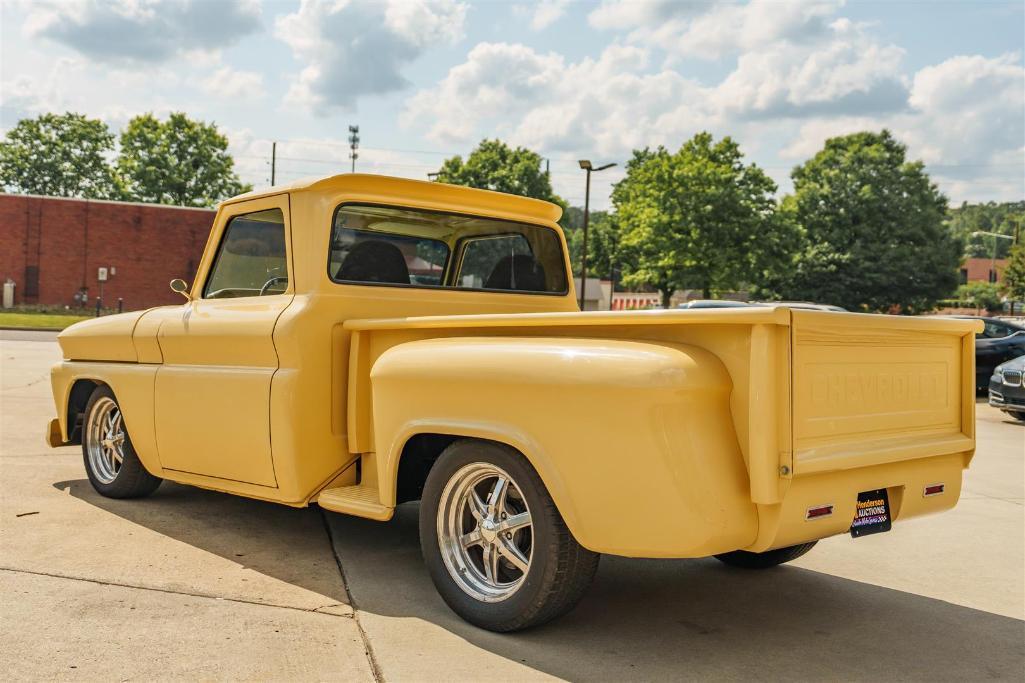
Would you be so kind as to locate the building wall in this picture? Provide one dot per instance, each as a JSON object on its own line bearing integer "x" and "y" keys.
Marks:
{"x": 52, "y": 247}
{"x": 980, "y": 270}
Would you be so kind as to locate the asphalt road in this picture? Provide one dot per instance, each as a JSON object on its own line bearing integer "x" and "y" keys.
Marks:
{"x": 190, "y": 584}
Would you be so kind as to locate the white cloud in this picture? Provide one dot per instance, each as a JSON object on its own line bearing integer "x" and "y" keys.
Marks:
{"x": 712, "y": 30}
{"x": 965, "y": 120}
{"x": 228, "y": 83}
{"x": 142, "y": 30}
{"x": 974, "y": 105}
{"x": 25, "y": 97}
{"x": 547, "y": 12}
{"x": 537, "y": 100}
{"x": 353, "y": 48}
{"x": 847, "y": 74}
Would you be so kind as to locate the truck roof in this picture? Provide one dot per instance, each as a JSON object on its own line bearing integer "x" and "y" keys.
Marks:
{"x": 442, "y": 195}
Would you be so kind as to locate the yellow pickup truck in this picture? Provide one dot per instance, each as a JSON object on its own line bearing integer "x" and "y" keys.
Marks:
{"x": 361, "y": 341}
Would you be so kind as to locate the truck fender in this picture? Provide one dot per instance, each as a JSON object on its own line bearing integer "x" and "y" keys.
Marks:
{"x": 633, "y": 439}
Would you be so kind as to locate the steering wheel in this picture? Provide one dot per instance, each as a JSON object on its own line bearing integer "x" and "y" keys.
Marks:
{"x": 274, "y": 280}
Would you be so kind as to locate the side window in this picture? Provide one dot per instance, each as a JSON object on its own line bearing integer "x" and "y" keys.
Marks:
{"x": 500, "y": 262}
{"x": 251, "y": 259}
{"x": 365, "y": 256}
{"x": 996, "y": 330}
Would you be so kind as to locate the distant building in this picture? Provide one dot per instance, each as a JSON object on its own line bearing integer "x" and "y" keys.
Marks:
{"x": 57, "y": 250}
{"x": 596, "y": 296}
{"x": 981, "y": 270}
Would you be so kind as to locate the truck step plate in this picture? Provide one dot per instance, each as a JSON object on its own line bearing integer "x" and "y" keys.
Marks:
{"x": 872, "y": 513}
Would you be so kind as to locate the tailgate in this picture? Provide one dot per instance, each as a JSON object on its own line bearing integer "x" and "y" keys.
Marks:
{"x": 872, "y": 389}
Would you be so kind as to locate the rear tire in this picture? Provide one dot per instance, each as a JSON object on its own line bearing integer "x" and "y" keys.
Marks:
{"x": 770, "y": 558}
{"x": 499, "y": 554}
{"x": 111, "y": 463}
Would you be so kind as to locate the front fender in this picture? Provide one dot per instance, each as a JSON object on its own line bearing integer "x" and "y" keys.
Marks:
{"x": 634, "y": 440}
{"x": 132, "y": 383}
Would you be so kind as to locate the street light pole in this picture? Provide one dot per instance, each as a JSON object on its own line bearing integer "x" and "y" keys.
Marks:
{"x": 586, "y": 165}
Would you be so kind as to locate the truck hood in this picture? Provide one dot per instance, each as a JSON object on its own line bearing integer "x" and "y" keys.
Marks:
{"x": 108, "y": 338}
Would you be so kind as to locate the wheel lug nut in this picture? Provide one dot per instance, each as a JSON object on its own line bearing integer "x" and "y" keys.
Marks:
{"x": 508, "y": 534}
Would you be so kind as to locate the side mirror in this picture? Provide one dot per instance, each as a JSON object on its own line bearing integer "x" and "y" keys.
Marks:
{"x": 182, "y": 287}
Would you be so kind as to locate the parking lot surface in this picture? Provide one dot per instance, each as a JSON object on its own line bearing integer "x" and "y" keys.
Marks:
{"x": 191, "y": 584}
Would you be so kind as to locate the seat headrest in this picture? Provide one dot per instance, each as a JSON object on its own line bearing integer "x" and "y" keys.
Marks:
{"x": 374, "y": 261}
{"x": 520, "y": 272}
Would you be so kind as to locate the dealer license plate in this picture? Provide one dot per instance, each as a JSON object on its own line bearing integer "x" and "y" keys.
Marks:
{"x": 872, "y": 514}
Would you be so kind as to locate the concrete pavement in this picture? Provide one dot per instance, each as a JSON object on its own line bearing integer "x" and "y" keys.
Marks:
{"x": 194, "y": 584}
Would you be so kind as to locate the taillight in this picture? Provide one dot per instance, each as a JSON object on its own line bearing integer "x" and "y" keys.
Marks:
{"x": 932, "y": 490}
{"x": 819, "y": 511}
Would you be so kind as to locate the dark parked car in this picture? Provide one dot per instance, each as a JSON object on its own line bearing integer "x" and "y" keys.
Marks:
{"x": 1006, "y": 390}
{"x": 1000, "y": 341}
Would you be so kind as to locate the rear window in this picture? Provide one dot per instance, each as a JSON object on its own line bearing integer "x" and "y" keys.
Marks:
{"x": 407, "y": 247}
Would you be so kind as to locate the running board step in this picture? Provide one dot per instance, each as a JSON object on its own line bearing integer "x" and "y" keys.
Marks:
{"x": 361, "y": 501}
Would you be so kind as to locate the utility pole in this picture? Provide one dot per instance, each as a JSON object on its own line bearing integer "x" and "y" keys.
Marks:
{"x": 353, "y": 145}
{"x": 273, "y": 161}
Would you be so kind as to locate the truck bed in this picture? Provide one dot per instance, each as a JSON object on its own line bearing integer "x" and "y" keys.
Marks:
{"x": 819, "y": 406}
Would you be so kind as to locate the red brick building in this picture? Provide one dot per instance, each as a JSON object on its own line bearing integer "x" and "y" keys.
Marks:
{"x": 53, "y": 247}
{"x": 981, "y": 270}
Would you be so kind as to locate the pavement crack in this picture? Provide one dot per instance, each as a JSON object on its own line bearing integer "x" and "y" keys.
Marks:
{"x": 375, "y": 668}
{"x": 206, "y": 596}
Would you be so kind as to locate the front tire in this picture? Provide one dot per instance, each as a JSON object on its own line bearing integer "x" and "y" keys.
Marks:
{"x": 1020, "y": 416}
{"x": 496, "y": 547}
{"x": 770, "y": 558}
{"x": 111, "y": 463}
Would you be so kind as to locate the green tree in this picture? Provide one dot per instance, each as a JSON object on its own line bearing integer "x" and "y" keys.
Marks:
{"x": 873, "y": 223}
{"x": 1014, "y": 274}
{"x": 600, "y": 240}
{"x": 697, "y": 218}
{"x": 1004, "y": 218}
{"x": 494, "y": 165}
{"x": 980, "y": 295}
{"x": 60, "y": 155}
{"x": 177, "y": 161}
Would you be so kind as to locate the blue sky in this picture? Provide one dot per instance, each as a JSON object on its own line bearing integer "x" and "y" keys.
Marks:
{"x": 425, "y": 80}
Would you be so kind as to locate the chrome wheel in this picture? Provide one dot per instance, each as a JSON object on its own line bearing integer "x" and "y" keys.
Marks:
{"x": 485, "y": 532}
{"x": 105, "y": 440}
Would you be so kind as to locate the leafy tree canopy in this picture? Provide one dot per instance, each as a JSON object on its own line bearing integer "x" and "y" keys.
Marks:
{"x": 873, "y": 223}
{"x": 698, "y": 218}
{"x": 494, "y": 165}
{"x": 600, "y": 240}
{"x": 61, "y": 155}
{"x": 1003, "y": 218}
{"x": 1014, "y": 275}
{"x": 177, "y": 161}
{"x": 980, "y": 295}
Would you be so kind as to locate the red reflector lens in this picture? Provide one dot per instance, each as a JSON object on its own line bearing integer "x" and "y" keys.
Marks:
{"x": 820, "y": 511}
{"x": 933, "y": 490}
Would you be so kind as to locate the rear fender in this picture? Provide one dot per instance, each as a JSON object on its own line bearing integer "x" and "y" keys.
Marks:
{"x": 634, "y": 440}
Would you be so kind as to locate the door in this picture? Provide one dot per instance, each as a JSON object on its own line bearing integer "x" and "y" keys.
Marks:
{"x": 212, "y": 393}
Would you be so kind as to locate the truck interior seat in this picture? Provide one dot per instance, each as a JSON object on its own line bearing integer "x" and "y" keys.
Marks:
{"x": 374, "y": 261}
{"x": 520, "y": 272}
